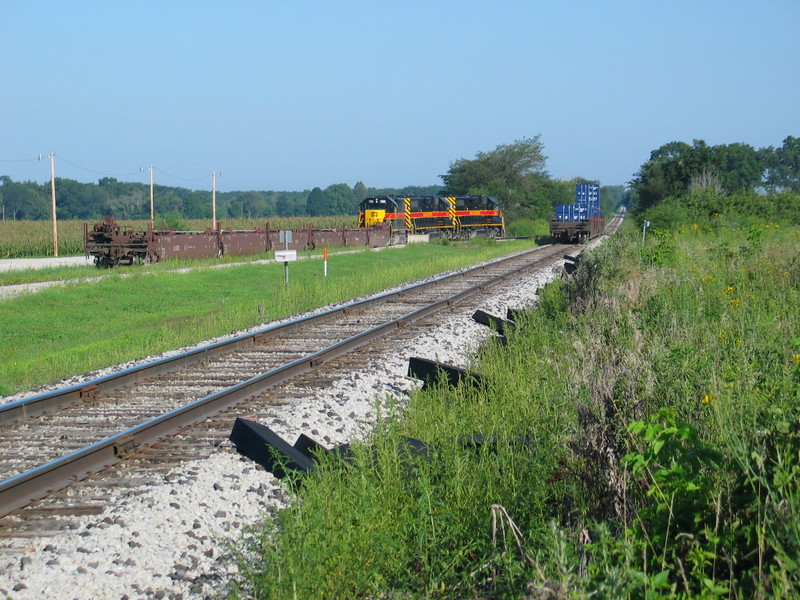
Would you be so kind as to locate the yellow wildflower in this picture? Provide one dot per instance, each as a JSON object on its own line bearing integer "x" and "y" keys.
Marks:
{"x": 709, "y": 398}
{"x": 796, "y": 359}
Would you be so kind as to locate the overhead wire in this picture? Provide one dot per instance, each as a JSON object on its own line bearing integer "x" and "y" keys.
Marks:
{"x": 102, "y": 173}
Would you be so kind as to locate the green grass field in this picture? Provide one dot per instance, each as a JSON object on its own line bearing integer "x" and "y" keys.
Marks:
{"x": 139, "y": 311}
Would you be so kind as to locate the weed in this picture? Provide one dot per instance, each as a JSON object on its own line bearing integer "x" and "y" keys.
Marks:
{"x": 662, "y": 422}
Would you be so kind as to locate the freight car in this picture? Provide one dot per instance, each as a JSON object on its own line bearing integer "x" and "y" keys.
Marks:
{"x": 111, "y": 245}
{"x": 581, "y": 221}
{"x": 445, "y": 216}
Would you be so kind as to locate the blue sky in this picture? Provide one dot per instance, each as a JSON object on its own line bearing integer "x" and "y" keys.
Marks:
{"x": 296, "y": 94}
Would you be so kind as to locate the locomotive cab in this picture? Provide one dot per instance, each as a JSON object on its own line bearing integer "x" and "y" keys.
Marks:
{"x": 373, "y": 211}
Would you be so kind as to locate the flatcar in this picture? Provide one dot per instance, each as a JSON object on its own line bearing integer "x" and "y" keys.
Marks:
{"x": 579, "y": 222}
{"x": 445, "y": 216}
{"x": 111, "y": 244}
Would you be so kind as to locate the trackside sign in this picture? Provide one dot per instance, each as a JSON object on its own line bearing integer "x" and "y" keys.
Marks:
{"x": 285, "y": 255}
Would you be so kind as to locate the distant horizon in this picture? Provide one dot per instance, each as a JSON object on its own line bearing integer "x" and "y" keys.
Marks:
{"x": 276, "y": 191}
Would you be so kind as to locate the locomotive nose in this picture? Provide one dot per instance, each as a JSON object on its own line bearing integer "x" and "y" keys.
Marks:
{"x": 372, "y": 217}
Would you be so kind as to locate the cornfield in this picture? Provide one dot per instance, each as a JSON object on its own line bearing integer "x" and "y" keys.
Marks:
{"x": 29, "y": 239}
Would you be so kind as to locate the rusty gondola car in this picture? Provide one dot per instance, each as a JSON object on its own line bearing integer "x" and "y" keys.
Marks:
{"x": 111, "y": 244}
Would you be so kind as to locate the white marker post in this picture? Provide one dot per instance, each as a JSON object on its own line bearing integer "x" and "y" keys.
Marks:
{"x": 325, "y": 262}
{"x": 286, "y": 256}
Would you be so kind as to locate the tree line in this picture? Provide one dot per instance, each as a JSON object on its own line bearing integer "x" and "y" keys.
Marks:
{"x": 127, "y": 200}
{"x": 513, "y": 173}
{"x": 706, "y": 176}
{"x": 681, "y": 182}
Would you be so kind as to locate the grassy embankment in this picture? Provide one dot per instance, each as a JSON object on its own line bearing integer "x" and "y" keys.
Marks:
{"x": 134, "y": 312}
{"x": 646, "y": 445}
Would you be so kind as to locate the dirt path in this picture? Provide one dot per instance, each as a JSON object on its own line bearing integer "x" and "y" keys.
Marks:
{"x": 19, "y": 264}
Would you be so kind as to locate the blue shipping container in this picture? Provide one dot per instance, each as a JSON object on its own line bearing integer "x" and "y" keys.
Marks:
{"x": 587, "y": 194}
{"x": 574, "y": 212}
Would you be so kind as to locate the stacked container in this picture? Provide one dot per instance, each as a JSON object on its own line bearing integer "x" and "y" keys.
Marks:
{"x": 582, "y": 220}
{"x": 587, "y": 200}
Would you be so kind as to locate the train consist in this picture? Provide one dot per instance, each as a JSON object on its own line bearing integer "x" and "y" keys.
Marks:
{"x": 383, "y": 220}
{"x": 452, "y": 217}
{"x": 112, "y": 245}
{"x": 579, "y": 222}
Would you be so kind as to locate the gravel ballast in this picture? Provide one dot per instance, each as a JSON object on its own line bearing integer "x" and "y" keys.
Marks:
{"x": 169, "y": 540}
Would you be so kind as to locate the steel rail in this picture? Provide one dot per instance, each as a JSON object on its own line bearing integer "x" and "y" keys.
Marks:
{"x": 35, "y": 405}
{"x": 36, "y": 483}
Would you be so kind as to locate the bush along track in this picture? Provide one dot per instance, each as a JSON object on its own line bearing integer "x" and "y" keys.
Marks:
{"x": 638, "y": 438}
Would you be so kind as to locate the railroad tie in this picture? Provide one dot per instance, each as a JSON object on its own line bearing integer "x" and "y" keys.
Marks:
{"x": 430, "y": 371}
{"x": 497, "y": 323}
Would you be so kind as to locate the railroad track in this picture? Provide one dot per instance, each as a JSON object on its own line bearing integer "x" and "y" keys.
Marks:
{"x": 151, "y": 417}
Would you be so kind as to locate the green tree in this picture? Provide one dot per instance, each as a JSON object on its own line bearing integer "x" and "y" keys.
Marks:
{"x": 507, "y": 164}
{"x": 167, "y": 203}
{"x": 197, "y": 205}
{"x": 612, "y": 197}
{"x": 284, "y": 206}
{"x": 317, "y": 203}
{"x": 132, "y": 203}
{"x": 75, "y": 200}
{"x": 341, "y": 199}
{"x": 677, "y": 169}
{"x": 783, "y": 166}
{"x": 26, "y": 200}
{"x": 739, "y": 166}
{"x": 360, "y": 191}
{"x": 235, "y": 209}
{"x": 253, "y": 204}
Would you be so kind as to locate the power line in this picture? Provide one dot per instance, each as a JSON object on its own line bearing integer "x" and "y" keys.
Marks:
{"x": 101, "y": 173}
{"x": 105, "y": 174}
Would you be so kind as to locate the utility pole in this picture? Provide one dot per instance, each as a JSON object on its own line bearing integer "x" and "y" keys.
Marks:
{"x": 52, "y": 201}
{"x": 152, "y": 214}
{"x": 214, "y": 199}
{"x": 53, "y": 198}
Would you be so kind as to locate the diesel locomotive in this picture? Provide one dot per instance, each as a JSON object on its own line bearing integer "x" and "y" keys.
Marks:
{"x": 453, "y": 217}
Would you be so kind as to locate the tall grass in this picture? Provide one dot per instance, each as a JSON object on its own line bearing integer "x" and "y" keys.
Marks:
{"x": 645, "y": 443}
